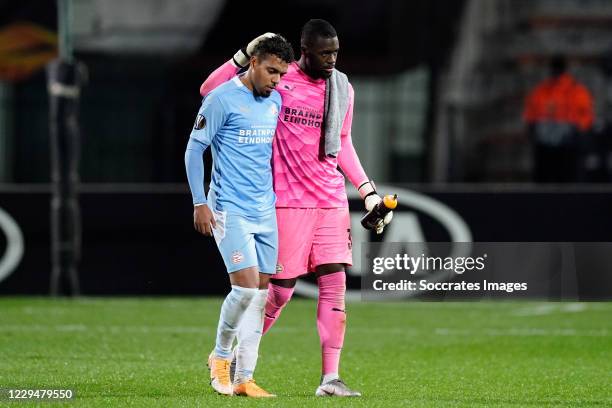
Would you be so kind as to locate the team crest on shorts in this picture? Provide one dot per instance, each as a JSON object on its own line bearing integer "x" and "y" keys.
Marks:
{"x": 279, "y": 268}
{"x": 237, "y": 257}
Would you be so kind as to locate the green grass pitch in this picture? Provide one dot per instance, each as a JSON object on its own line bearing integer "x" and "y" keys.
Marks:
{"x": 150, "y": 352}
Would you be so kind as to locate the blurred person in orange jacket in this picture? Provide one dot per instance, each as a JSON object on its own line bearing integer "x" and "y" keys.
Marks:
{"x": 559, "y": 113}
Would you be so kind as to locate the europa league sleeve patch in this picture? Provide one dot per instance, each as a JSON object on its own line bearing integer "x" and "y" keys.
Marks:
{"x": 200, "y": 122}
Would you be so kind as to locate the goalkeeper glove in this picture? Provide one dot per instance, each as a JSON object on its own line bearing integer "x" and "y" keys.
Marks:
{"x": 367, "y": 191}
{"x": 243, "y": 55}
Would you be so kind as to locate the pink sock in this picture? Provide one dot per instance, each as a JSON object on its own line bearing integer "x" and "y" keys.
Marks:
{"x": 278, "y": 297}
{"x": 331, "y": 319}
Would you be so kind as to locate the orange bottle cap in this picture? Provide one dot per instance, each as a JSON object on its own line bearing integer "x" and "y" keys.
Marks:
{"x": 390, "y": 201}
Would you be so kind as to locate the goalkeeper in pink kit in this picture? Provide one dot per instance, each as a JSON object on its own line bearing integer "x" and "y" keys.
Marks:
{"x": 313, "y": 138}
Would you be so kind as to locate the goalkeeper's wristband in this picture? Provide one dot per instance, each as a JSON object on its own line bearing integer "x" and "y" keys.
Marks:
{"x": 243, "y": 55}
{"x": 366, "y": 189}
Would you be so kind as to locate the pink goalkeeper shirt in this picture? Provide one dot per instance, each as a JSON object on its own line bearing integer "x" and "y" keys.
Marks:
{"x": 303, "y": 176}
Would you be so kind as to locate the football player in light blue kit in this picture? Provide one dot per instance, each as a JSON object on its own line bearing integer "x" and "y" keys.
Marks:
{"x": 238, "y": 120}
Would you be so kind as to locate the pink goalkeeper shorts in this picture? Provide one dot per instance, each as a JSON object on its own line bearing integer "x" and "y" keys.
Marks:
{"x": 309, "y": 237}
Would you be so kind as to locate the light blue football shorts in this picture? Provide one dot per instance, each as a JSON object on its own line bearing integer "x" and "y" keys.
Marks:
{"x": 247, "y": 241}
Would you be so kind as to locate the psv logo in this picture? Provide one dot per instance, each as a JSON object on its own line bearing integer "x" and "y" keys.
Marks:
{"x": 237, "y": 257}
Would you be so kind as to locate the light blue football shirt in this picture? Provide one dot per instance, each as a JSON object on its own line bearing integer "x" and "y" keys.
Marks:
{"x": 239, "y": 127}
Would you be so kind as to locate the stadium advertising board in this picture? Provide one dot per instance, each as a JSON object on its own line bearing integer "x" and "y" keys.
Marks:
{"x": 144, "y": 243}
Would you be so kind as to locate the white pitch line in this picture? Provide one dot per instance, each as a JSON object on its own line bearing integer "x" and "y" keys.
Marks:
{"x": 522, "y": 332}
{"x": 105, "y": 329}
{"x": 440, "y": 331}
{"x": 550, "y": 308}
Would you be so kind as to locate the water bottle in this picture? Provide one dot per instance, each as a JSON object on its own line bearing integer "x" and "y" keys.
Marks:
{"x": 372, "y": 218}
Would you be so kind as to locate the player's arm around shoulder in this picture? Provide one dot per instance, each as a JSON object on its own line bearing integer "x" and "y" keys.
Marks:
{"x": 230, "y": 68}
{"x": 220, "y": 75}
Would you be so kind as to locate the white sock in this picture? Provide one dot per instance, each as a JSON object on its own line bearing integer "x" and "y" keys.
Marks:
{"x": 249, "y": 336}
{"x": 329, "y": 377}
{"x": 232, "y": 311}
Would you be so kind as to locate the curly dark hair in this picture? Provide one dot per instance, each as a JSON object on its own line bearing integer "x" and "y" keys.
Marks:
{"x": 276, "y": 45}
